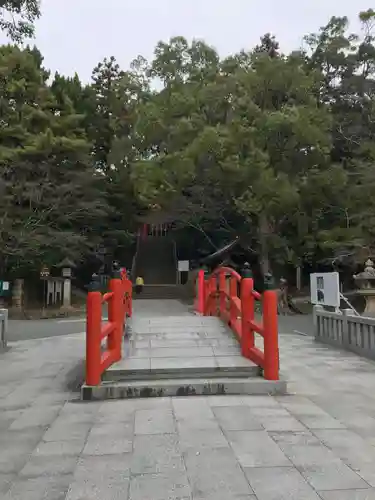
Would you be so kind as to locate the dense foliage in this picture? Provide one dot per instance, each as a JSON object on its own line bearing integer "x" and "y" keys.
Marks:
{"x": 17, "y": 18}
{"x": 276, "y": 148}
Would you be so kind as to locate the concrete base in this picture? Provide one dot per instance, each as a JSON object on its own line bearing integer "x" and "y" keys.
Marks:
{"x": 183, "y": 387}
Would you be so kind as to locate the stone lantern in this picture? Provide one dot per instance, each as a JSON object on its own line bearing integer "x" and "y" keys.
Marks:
{"x": 366, "y": 283}
{"x": 67, "y": 267}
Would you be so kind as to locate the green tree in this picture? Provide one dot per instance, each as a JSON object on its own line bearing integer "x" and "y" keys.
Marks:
{"x": 51, "y": 201}
{"x": 17, "y": 18}
{"x": 347, "y": 63}
{"x": 226, "y": 153}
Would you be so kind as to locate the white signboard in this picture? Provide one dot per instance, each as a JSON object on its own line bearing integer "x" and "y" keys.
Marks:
{"x": 5, "y": 285}
{"x": 325, "y": 289}
{"x": 183, "y": 266}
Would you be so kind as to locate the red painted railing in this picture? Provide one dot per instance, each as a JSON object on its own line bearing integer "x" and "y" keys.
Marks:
{"x": 231, "y": 297}
{"x": 119, "y": 300}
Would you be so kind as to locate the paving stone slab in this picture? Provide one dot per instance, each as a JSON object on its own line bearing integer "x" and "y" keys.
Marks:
{"x": 39, "y": 466}
{"x": 226, "y": 400}
{"x": 92, "y": 489}
{"x": 16, "y": 447}
{"x": 365, "y": 470}
{"x": 320, "y": 422}
{"x": 172, "y": 486}
{"x": 35, "y": 417}
{"x": 6, "y": 482}
{"x": 304, "y": 453}
{"x": 214, "y": 472}
{"x": 45, "y": 487}
{"x": 273, "y": 412}
{"x": 66, "y": 432}
{"x": 184, "y": 409}
{"x": 282, "y": 423}
{"x": 279, "y": 483}
{"x": 332, "y": 476}
{"x": 107, "y": 445}
{"x": 154, "y": 422}
{"x": 256, "y": 449}
{"x": 117, "y": 428}
{"x": 237, "y": 418}
{"x": 348, "y": 495}
{"x": 155, "y": 454}
{"x": 265, "y": 401}
{"x": 201, "y": 439}
{"x": 51, "y": 449}
{"x": 111, "y": 468}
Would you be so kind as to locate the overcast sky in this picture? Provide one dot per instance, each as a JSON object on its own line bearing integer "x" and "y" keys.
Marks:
{"x": 74, "y": 35}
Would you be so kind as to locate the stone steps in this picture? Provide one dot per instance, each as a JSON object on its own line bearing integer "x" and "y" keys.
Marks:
{"x": 183, "y": 387}
{"x": 159, "y": 292}
{"x": 204, "y": 370}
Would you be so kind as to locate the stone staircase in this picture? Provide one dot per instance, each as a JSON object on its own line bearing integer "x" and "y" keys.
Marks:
{"x": 165, "y": 292}
{"x": 156, "y": 261}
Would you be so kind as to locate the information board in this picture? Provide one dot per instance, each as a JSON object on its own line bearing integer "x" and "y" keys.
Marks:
{"x": 183, "y": 266}
{"x": 325, "y": 289}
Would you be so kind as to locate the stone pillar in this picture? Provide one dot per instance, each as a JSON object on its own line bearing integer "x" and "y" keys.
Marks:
{"x": 316, "y": 323}
{"x": 17, "y": 296}
{"x": 67, "y": 294}
{"x": 3, "y": 328}
{"x": 345, "y": 326}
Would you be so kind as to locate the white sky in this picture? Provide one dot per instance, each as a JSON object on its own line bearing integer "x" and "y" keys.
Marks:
{"x": 74, "y": 35}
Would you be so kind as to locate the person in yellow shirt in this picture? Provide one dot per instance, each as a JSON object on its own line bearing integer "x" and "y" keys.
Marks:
{"x": 139, "y": 285}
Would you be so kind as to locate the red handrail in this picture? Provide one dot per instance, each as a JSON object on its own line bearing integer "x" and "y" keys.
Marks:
{"x": 119, "y": 300}
{"x": 227, "y": 295}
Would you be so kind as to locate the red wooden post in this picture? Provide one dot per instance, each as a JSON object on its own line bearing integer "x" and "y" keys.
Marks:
{"x": 247, "y": 314}
{"x": 116, "y": 317}
{"x": 128, "y": 298}
{"x": 271, "y": 341}
{"x": 222, "y": 294}
{"x": 201, "y": 293}
{"x": 233, "y": 291}
{"x": 211, "y": 287}
{"x": 93, "y": 343}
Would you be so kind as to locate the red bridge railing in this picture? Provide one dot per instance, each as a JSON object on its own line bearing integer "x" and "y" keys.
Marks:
{"x": 119, "y": 300}
{"x": 230, "y": 296}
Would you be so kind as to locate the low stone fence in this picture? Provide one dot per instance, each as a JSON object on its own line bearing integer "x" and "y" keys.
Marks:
{"x": 353, "y": 333}
{"x": 3, "y": 328}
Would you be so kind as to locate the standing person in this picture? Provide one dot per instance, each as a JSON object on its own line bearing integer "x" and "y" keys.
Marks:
{"x": 139, "y": 285}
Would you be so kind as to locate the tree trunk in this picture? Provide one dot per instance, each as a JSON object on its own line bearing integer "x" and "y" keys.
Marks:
{"x": 18, "y": 292}
{"x": 264, "y": 232}
{"x": 299, "y": 277}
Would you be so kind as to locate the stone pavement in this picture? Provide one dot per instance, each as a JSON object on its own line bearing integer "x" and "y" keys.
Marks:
{"x": 316, "y": 443}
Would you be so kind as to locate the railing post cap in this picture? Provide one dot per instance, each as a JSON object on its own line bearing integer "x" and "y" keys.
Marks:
{"x": 246, "y": 271}
{"x": 116, "y": 272}
{"x": 269, "y": 282}
{"x": 94, "y": 285}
